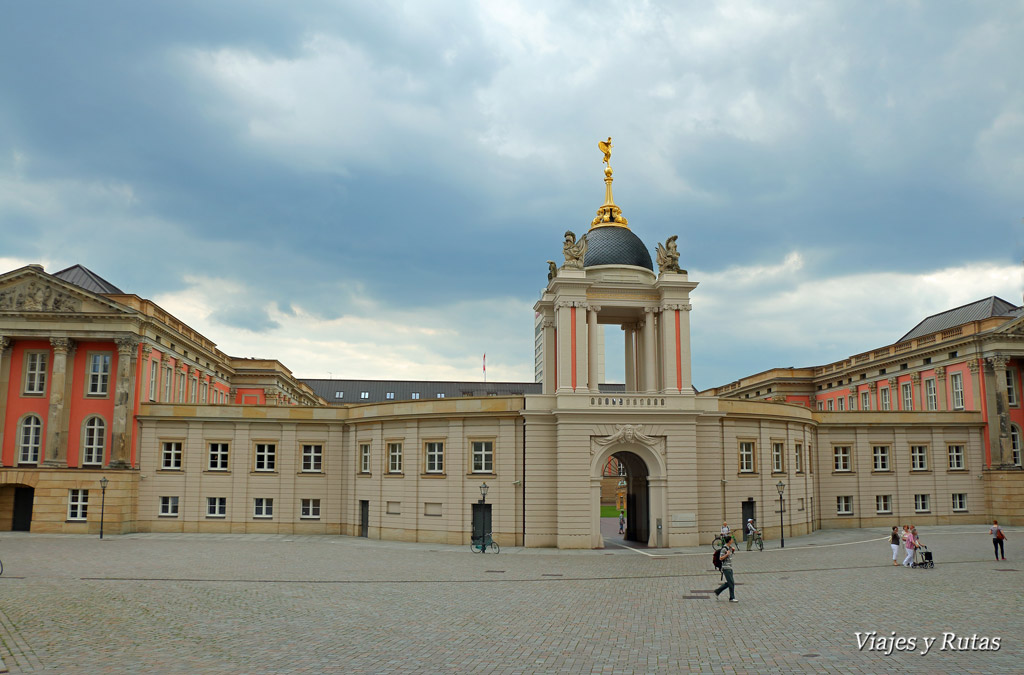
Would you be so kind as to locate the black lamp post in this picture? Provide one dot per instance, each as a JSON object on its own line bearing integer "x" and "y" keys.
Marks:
{"x": 103, "y": 501}
{"x": 483, "y": 492}
{"x": 781, "y": 487}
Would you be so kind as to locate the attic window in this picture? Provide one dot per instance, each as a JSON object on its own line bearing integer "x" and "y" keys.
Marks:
{"x": 415, "y": 396}
{"x": 390, "y": 395}
{"x": 339, "y": 394}
{"x": 863, "y": 376}
{"x": 927, "y": 360}
{"x": 903, "y": 366}
{"x": 364, "y": 394}
{"x": 881, "y": 371}
{"x": 952, "y": 355}
{"x": 440, "y": 395}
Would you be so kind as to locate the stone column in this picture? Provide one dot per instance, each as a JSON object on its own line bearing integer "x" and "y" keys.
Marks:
{"x": 630, "y": 338}
{"x": 56, "y": 452}
{"x": 915, "y": 391}
{"x": 873, "y": 395}
{"x": 550, "y": 357}
{"x": 999, "y": 424}
{"x": 5, "y": 379}
{"x": 940, "y": 388}
{"x": 592, "y": 328}
{"x": 650, "y": 353}
{"x": 124, "y": 389}
{"x": 894, "y": 393}
{"x": 564, "y": 326}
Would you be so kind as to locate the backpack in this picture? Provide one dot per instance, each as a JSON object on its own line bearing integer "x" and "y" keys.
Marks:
{"x": 716, "y": 559}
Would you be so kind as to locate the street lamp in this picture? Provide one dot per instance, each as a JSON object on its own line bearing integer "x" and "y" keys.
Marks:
{"x": 781, "y": 487}
{"x": 483, "y": 492}
{"x": 103, "y": 501}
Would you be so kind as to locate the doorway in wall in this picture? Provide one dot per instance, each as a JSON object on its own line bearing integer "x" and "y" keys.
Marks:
{"x": 637, "y": 498}
{"x": 749, "y": 511}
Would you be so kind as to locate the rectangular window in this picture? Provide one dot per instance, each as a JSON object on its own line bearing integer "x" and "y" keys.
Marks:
{"x": 1015, "y": 442}
{"x": 908, "y": 395}
{"x": 168, "y": 378}
{"x": 98, "y": 379}
{"x": 216, "y": 507}
{"x": 865, "y": 400}
{"x": 262, "y": 507}
{"x": 154, "y": 373}
{"x": 931, "y": 398}
{"x": 169, "y": 506}
{"x": 839, "y": 404}
{"x": 830, "y": 404}
{"x": 777, "y": 464}
{"x": 193, "y": 390}
{"x": 364, "y": 458}
{"x": 394, "y": 458}
{"x": 852, "y": 401}
{"x": 1011, "y": 387}
{"x": 959, "y": 501}
{"x": 746, "y": 457}
{"x": 171, "y": 456}
{"x": 483, "y": 457}
{"x": 435, "y": 457}
{"x": 204, "y": 393}
{"x": 841, "y": 458}
{"x": 181, "y": 387}
{"x": 884, "y": 394}
{"x": 78, "y": 504}
{"x": 310, "y": 508}
{"x": 798, "y": 459}
{"x": 919, "y": 457}
{"x": 415, "y": 396}
{"x": 956, "y": 458}
{"x": 364, "y": 394}
{"x": 883, "y": 503}
{"x": 440, "y": 395}
{"x": 218, "y": 456}
{"x": 35, "y": 373}
{"x": 821, "y": 406}
{"x": 265, "y": 456}
{"x": 881, "y": 457}
{"x": 922, "y": 503}
{"x": 339, "y": 394}
{"x": 390, "y": 395}
{"x": 94, "y": 441}
{"x": 844, "y": 505}
{"x": 312, "y": 458}
{"x": 956, "y": 385}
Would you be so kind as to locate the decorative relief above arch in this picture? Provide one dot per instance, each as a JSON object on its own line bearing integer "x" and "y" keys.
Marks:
{"x": 628, "y": 433}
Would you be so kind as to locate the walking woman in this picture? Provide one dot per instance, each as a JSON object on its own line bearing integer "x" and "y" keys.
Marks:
{"x": 997, "y": 539}
{"x": 894, "y": 541}
{"x": 908, "y": 544}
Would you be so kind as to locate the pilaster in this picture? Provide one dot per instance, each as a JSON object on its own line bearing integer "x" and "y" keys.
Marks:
{"x": 650, "y": 355}
{"x": 592, "y": 328}
{"x": 124, "y": 388}
{"x": 1001, "y": 450}
{"x": 940, "y": 387}
{"x": 6, "y": 354}
{"x": 56, "y": 447}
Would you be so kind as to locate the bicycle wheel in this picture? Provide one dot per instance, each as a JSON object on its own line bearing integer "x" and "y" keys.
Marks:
{"x": 1, "y": 566}
{"x": 476, "y": 547}
{"x": 495, "y": 547}
{"x": 717, "y": 543}
{"x": 760, "y": 544}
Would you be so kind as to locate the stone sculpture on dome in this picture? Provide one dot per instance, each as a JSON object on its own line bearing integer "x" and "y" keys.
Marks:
{"x": 668, "y": 256}
{"x": 574, "y": 250}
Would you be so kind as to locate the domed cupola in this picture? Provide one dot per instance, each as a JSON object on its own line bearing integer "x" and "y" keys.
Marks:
{"x": 610, "y": 241}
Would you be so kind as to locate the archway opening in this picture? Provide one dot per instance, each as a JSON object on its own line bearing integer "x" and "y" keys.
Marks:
{"x": 625, "y": 489}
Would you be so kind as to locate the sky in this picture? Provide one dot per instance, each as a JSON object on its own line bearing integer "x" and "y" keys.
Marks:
{"x": 371, "y": 190}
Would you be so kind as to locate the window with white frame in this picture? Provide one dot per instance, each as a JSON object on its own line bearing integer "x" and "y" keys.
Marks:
{"x": 798, "y": 457}
{"x": 78, "y": 504}
{"x": 312, "y": 457}
{"x": 94, "y": 440}
{"x": 154, "y": 373}
{"x": 922, "y": 503}
{"x": 394, "y": 458}
{"x": 1011, "y": 387}
{"x": 821, "y": 405}
{"x": 218, "y": 456}
{"x": 364, "y": 458}
{"x": 956, "y": 385}
{"x": 266, "y": 454}
{"x": 169, "y": 506}
{"x": 181, "y": 387}
{"x": 440, "y": 394}
{"x": 415, "y": 396}
{"x": 852, "y": 401}
{"x": 844, "y": 505}
{"x": 216, "y": 507}
{"x": 310, "y": 508}
{"x": 193, "y": 390}
{"x": 840, "y": 403}
{"x": 98, "y": 377}
{"x": 919, "y": 458}
{"x": 204, "y": 393}
{"x": 339, "y": 394}
{"x": 364, "y": 394}
{"x": 435, "y": 456}
{"x": 883, "y": 503}
{"x": 35, "y": 373}
{"x": 908, "y": 395}
{"x": 1015, "y": 454}
{"x": 746, "y": 457}
{"x": 959, "y": 501}
{"x": 30, "y": 439}
{"x": 931, "y": 395}
{"x": 483, "y": 457}
{"x": 777, "y": 464}
{"x": 841, "y": 458}
{"x": 865, "y": 400}
{"x": 168, "y": 383}
{"x": 170, "y": 458}
{"x": 883, "y": 392}
{"x": 263, "y": 507}
{"x": 830, "y": 404}
{"x": 880, "y": 454}
{"x": 956, "y": 457}
{"x": 390, "y": 395}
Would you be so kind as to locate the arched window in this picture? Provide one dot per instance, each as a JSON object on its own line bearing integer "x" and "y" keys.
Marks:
{"x": 94, "y": 440}
{"x": 30, "y": 437}
{"x": 1015, "y": 444}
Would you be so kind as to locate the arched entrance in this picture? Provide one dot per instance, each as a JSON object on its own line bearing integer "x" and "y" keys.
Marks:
{"x": 638, "y": 517}
{"x": 645, "y": 492}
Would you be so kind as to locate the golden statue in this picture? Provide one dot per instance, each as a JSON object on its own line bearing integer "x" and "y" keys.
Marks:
{"x": 606, "y": 148}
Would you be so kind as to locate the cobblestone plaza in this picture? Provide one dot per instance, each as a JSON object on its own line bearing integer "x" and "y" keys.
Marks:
{"x": 177, "y": 603}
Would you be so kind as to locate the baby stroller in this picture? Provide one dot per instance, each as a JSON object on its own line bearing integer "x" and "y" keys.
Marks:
{"x": 922, "y": 558}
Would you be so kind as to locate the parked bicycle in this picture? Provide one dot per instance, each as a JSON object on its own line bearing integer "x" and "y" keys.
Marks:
{"x": 758, "y": 541}
{"x": 481, "y": 544}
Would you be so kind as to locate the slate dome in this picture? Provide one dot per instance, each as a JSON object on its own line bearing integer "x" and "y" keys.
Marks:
{"x": 612, "y": 245}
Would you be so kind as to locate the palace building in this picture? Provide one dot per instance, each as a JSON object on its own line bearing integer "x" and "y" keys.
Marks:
{"x": 101, "y": 385}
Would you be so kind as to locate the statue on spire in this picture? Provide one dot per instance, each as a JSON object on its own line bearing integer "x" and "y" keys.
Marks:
{"x": 606, "y": 148}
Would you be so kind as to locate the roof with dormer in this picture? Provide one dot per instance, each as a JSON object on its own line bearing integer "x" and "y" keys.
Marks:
{"x": 974, "y": 311}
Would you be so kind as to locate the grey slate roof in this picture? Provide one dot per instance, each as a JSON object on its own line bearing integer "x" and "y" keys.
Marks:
{"x": 613, "y": 245}
{"x": 377, "y": 391}
{"x": 975, "y": 311}
{"x": 85, "y": 278}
